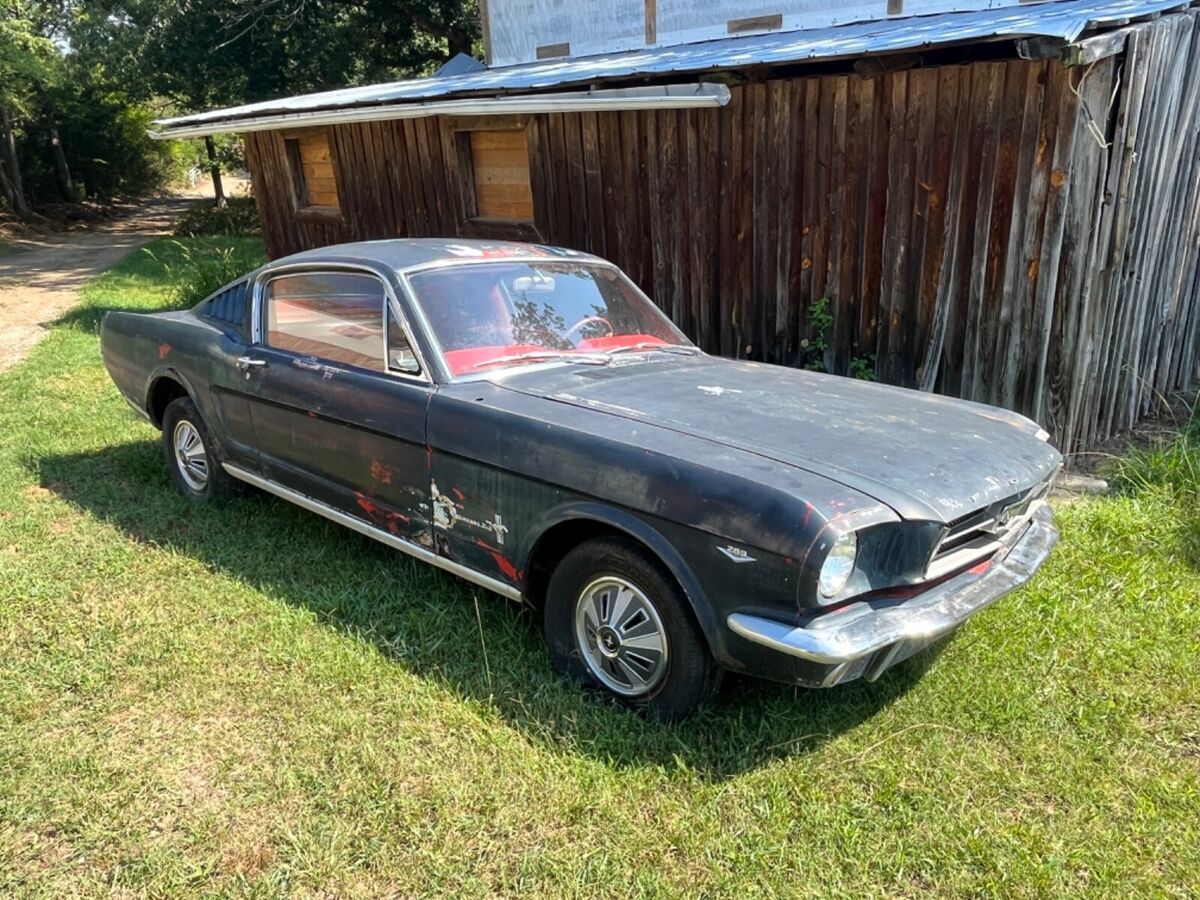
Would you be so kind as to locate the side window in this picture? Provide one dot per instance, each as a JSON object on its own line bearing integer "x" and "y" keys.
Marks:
{"x": 336, "y": 316}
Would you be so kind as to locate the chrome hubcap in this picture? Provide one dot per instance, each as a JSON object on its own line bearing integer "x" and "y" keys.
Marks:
{"x": 190, "y": 455}
{"x": 621, "y": 636}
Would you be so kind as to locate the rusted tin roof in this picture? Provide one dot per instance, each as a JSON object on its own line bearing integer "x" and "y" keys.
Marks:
{"x": 1064, "y": 20}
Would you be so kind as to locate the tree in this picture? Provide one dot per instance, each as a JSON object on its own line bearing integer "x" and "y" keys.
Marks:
{"x": 26, "y": 58}
{"x": 202, "y": 54}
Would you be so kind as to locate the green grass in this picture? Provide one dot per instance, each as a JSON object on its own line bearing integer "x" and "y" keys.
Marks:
{"x": 5, "y": 247}
{"x": 250, "y": 701}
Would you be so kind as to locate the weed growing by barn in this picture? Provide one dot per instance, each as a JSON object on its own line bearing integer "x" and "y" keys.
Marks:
{"x": 238, "y": 218}
{"x": 197, "y": 269}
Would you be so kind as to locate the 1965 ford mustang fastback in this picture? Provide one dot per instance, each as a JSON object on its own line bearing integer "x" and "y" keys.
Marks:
{"x": 524, "y": 417}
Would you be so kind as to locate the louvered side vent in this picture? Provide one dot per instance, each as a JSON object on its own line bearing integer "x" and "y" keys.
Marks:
{"x": 228, "y": 306}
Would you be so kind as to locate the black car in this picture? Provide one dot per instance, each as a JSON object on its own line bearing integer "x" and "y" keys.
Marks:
{"x": 524, "y": 417}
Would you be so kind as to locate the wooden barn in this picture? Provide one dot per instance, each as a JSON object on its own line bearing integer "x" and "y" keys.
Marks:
{"x": 994, "y": 200}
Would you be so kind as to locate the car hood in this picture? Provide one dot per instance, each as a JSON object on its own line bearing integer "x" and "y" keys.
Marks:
{"x": 924, "y": 455}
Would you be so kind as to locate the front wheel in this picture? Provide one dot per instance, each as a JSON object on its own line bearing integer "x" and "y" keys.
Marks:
{"x": 616, "y": 621}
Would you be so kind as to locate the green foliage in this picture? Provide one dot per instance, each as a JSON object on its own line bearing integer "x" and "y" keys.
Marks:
{"x": 1172, "y": 466}
{"x": 218, "y": 52}
{"x": 103, "y": 134}
{"x": 100, "y": 72}
{"x": 863, "y": 367}
{"x": 820, "y": 320}
{"x": 239, "y": 217}
{"x": 251, "y": 701}
{"x": 27, "y": 57}
{"x": 196, "y": 269}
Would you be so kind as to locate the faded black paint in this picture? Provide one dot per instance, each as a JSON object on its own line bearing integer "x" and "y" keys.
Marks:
{"x": 688, "y": 455}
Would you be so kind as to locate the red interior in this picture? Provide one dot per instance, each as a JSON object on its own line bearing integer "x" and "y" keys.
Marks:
{"x": 468, "y": 359}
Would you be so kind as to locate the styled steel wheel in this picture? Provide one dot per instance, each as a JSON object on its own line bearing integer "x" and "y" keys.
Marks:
{"x": 617, "y": 621}
{"x": 621, "y": 636}
{"x": 190, "y": 455}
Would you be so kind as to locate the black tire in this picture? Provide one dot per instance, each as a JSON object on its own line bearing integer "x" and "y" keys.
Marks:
{"x": 217, "y": 485}
{"x": 673, "y": 687}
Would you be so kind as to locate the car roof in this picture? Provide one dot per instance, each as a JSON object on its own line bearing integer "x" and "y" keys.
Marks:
{"x": 400, "y": 254}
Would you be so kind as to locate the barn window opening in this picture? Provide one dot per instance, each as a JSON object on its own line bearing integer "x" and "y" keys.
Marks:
{"x": 498, "y": 163}
{"x": 310, "y": 162}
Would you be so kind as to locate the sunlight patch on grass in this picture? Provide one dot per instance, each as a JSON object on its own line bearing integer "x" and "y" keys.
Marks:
{"x": 251, "y": 700}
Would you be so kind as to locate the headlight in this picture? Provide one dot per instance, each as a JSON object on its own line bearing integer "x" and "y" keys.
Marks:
{"x": 838, "y": 565}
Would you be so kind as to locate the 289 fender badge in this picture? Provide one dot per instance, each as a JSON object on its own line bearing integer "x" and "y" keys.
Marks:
{"x": 737, "y": 554}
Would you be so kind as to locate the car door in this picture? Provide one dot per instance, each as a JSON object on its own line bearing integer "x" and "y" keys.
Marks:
{"x": 339, "y": 399}
{"x": 230, "y": 312}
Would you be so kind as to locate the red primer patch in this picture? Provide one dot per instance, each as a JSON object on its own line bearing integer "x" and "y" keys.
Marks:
{"x": 506, "y": 568}
{"x": 164, "y": 350}
{"x": 459, "y": 494}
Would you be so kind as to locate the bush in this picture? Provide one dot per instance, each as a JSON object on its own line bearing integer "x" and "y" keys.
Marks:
{"x": 1171, "y": 466}
{"x": 238, "y": 218}
{"x": 197, "y": 269}
{"x": 1169, "y": 474}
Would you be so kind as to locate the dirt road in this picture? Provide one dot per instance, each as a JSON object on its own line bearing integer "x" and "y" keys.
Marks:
{"x": 40, "y": 278}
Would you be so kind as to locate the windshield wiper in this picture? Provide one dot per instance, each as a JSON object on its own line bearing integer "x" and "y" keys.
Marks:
{"x": 677, "y": 349}
{"x": 545, "y": 355}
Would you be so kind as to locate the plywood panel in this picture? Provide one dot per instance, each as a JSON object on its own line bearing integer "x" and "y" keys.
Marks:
{"x": 501, "y": 170}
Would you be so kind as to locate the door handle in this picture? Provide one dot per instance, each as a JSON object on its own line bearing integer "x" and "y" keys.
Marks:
{"x": 249, "y": 362}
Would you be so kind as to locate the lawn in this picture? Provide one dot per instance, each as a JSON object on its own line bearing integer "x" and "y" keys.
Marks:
{"x": 252, "y": 701}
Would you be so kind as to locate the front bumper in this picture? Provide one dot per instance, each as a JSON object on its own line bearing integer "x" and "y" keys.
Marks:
{"x": 863, "y": 639}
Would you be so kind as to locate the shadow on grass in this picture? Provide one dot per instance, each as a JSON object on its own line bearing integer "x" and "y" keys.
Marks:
{"x": 486, "y": 650}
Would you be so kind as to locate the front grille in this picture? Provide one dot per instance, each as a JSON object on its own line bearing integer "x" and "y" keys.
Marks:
{"x": 978, "y": 535}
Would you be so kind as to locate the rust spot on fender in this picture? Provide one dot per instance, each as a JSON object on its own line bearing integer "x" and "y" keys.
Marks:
{"x": 382, "y": 473}
{"x": 164, "y": 350}
{"x": 458, "y": 493}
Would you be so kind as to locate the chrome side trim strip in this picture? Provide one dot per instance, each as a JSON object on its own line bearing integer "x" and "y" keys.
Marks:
{"x": 397, "y": 543}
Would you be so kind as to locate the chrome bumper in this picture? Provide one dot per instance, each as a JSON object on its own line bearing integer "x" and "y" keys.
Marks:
{"x": 849, "y": 634}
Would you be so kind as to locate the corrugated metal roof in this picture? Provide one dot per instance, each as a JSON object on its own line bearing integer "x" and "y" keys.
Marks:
{"x": 1064, "y": 19}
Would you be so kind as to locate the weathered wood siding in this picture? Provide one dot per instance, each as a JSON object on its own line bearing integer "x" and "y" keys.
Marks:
{"x": 1020, "y": 233}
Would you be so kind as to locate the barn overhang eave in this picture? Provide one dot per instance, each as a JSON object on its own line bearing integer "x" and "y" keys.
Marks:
{"x": 674, "y": 96}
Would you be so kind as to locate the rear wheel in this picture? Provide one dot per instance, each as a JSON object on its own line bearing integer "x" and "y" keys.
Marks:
{"x": 191, "y": 454}
{"x": 616, "y": 621}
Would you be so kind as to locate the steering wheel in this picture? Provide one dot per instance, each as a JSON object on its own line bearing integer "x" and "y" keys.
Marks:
{"x": 587, "y": 320}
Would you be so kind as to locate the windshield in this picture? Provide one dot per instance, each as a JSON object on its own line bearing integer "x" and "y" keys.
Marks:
{"x": 488, "y": 316}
